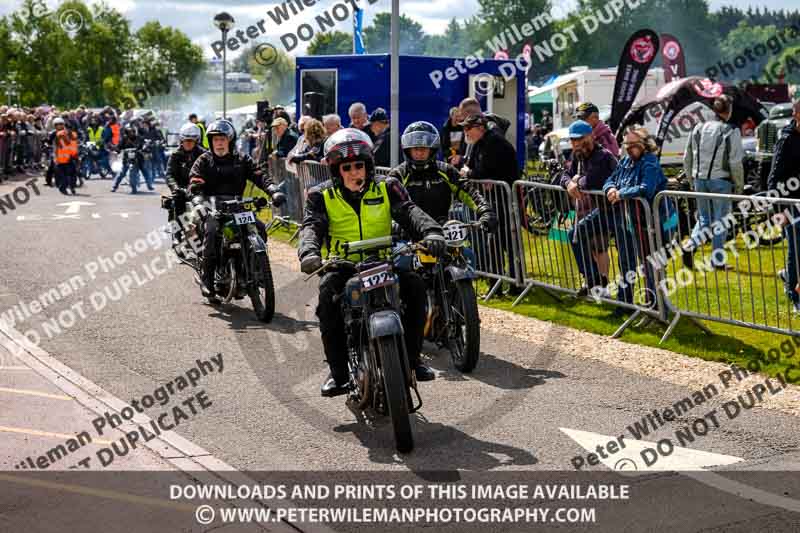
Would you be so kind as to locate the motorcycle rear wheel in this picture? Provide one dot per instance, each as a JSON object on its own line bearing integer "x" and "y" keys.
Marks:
{"x": 396, "y": 392}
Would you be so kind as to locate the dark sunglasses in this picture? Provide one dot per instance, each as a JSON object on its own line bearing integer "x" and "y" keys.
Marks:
{"x": 346, "y": 167}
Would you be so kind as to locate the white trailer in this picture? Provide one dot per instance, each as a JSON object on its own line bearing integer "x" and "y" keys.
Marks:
{"x": 597, "y": 86}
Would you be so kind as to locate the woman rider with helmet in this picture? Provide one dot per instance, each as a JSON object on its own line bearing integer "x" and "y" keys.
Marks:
{"x": 222, "y": 172}
{"x": 356, "y": 205}
{"x": 178, "y": 167}
{"x": 434, "y": 184}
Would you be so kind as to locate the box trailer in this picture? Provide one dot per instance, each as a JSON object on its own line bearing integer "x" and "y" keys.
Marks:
{"x": 429, "y": 87}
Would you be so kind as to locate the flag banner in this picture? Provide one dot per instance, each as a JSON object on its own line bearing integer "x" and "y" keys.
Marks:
{"x": 637, "y": 56}
{"x": 672, "y": 58}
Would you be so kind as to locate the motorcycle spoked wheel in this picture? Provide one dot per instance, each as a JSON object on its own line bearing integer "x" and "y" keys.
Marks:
{"x": 262, "y": 289}
{"x": 465, "y": 344}
{"x": 360, "y": 383}
{"x": 228, "y": 278}
{"x": 396, "y": 393}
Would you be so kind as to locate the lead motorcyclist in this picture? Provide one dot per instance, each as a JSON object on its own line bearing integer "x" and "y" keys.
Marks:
{"x": 432, "y": 184}
{"x": 178, "y": 167}
{"x": 356, "y": 205}
{"x": 224, "y": 173}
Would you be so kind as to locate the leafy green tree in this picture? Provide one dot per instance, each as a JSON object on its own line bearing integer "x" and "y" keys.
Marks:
{"x": 457, "y": 40}
{"x": 743, "y": 38}
{"x": 330, "y": 43}
{"x": 787, "y": 62}
{"x": 412, "y": 37}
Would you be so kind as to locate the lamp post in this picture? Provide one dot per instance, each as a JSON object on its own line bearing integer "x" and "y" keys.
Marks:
{"x": 225, "y": 23}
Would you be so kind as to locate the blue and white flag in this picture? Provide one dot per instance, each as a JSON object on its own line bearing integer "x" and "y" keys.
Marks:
{"x": 358, "y": 36}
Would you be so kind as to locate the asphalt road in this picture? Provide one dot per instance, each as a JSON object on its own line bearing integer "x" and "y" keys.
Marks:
{"x": 505, "y": 419}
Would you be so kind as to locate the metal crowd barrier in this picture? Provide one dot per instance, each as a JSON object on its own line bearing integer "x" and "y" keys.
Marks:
{"x": 497, "y": 255}
{"x": 755, "y": 245}
{"x": 599, "y": 251}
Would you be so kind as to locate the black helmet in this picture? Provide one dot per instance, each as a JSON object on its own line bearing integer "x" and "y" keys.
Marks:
{"x": 348, "y": 144}
{"x": 420, "y": 134}
{"x": 222, "y": 127}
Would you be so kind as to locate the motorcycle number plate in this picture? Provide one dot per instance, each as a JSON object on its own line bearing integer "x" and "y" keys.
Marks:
{"x": 245, "y": 218}
{"x": 455, "y": 234}
{"x": 376, "y": 277}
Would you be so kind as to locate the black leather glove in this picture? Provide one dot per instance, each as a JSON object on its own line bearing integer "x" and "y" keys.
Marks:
{"x": 435, "y": 244}
{"x": 310, "y": 264}
{"x": 488, "y": 222}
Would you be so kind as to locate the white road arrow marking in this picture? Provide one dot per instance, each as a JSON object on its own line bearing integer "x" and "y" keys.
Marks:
{"x": 631, "y": 457}
{"x": 74, "y": 206}
{"x": 59, "y": 217}
{"x": 691, "y": 463}
{"x": 95, "y": 215}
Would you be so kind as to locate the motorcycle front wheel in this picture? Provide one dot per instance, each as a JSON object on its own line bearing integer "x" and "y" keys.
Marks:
{"x": 465, "y": 345}
{"x": 396, "y": 392}
{"x": 262, "y": 289}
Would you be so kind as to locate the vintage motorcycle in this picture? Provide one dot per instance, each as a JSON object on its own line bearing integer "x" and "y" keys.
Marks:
{"x": 452, "y": 309}
{"x": 243, "y": 268}
{"x": 380, "y": 378}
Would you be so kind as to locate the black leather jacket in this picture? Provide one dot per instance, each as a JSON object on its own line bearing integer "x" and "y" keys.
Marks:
{"x": 225, "y": 176}
{"x": 179, "y": 165}
{"x": 436, "y": 186}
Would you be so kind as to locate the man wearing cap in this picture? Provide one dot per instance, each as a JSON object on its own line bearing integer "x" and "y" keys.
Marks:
{"x": 284, "y": 138}
{"x": 492, "y": 157}
{"x": 590, "y": 167}
{"x": 601, "y": 132}
{"x": 378, "y": 129}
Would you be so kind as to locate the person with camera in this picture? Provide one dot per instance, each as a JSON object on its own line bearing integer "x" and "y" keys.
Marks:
{"x": 222, "y": 172}
{"x": 357, "y": 205}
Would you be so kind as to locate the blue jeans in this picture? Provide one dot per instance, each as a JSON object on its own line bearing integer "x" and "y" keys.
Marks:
{"x": 134, "y": 179}
{"x": 792, "y": 234}
{"x": 710, "y": 211}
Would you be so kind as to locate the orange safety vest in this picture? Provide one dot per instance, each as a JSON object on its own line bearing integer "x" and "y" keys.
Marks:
{"x": 66, "y": 150}
{"x": 115, "y": 134}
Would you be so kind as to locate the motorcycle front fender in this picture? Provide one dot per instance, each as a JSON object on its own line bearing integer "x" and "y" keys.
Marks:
{"x": 384, "y": 324}
{"x": 257, "y": 244}
{"x": 458, "y": 273}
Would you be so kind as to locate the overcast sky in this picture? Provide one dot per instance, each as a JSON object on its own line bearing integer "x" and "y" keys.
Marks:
{"x": 194, "y": 17}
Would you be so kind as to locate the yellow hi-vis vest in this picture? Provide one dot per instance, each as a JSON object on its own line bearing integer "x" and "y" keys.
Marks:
{"x": 95, "y": 135}
{"x": 345, "y": 225}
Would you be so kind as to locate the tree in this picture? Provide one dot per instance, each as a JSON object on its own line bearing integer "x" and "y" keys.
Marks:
{"x": 500, "y": 15}
{"x": 787, "y": 62}
{"x": 278, "y": 76}
{"x": 412, "y": 38}
{"x": 98, "y": 62}
{"x": 330, "y": 43}
{"x": 688, "y": 20}
{"x": 742, "y": 38}
{"x": 457, "y": 41}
